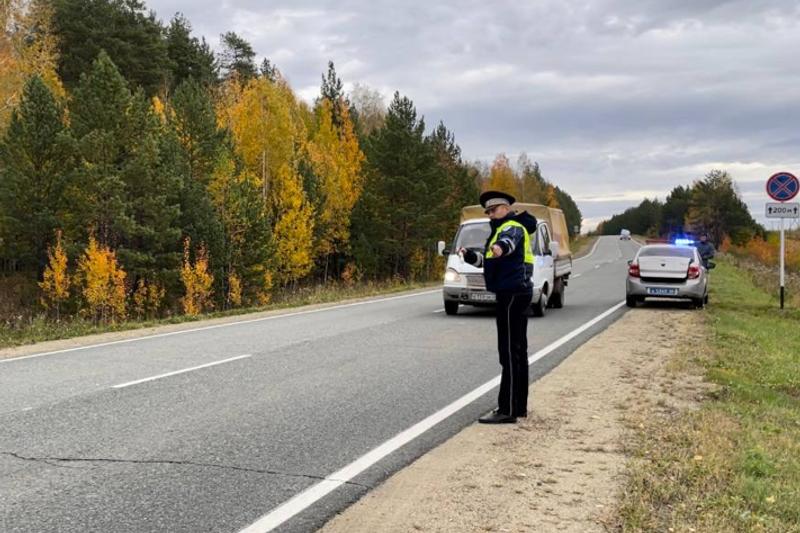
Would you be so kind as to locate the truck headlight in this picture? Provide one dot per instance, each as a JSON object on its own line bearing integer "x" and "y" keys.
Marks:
{"x": 451, "y": 276}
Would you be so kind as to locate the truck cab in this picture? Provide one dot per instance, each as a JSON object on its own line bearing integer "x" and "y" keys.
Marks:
{"x": 464, "y": 283}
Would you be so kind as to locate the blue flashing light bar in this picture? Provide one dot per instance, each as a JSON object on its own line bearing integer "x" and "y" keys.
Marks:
{"x": 684, "y": 242}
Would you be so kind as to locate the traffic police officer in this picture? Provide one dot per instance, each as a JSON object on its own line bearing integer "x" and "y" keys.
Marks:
{"x": 507, "y": 262}
{"x": 705, "y": 249}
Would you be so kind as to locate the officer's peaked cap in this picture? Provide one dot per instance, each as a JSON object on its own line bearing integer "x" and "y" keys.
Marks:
{"x": 492, "y": 198}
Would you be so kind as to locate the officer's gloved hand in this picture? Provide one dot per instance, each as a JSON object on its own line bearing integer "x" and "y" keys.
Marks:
{"x": 469, "y": 256}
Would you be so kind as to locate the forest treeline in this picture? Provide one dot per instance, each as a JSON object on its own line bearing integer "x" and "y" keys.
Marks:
{"x": 143, "y": 173}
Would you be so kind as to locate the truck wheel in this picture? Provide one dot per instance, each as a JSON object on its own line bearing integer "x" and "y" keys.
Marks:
{"x": 631, "y": 301}
{"x": 539, "y": 307}
{"x": 451, "y": 308}
{"x": 557, "y": 298}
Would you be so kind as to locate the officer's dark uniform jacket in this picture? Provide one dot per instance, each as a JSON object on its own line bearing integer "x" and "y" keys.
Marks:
{"x": 512, "y": 271}
{"x": 706, "y": 250}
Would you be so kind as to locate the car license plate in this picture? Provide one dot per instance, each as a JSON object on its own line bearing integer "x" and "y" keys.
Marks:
{"x": 481, "y": 297}
{"x": 659, "y": 291}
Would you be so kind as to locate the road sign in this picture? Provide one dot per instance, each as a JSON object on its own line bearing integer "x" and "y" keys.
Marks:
{"x": 783, "y": 210}
{"x": 782, "y": 186}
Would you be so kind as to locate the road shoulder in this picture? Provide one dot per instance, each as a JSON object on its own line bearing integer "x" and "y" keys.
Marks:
{"x": 562, "y": 468}
{"x": 133, "y": 333}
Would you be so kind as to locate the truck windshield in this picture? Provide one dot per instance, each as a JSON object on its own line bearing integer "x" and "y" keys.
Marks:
{"x": 473, "y": 236}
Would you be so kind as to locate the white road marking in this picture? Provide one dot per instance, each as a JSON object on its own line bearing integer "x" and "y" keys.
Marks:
{"x": 590, "y": 253}
{"x": 438, "y": 311}
{"x": 308, "y": 497}
{"x": 576, "y": 276}
{"x": 227, "y": 324}
{"x": 128, "y": 384}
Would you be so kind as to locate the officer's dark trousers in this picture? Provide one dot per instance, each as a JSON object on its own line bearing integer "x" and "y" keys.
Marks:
{"x": 512, "y": 345}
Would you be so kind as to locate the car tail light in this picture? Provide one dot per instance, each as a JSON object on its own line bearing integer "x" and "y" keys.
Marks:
{"x": 633, "y": 270}
{"x": 694, "y": 272}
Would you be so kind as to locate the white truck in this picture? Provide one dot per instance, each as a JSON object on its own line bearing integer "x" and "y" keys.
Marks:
{"x": 464, "y": 283}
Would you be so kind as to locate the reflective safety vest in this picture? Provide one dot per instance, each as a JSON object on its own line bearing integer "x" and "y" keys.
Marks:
{"x": 527, "y": 241}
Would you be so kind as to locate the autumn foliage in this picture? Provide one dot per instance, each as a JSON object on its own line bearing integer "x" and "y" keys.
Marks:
{"x": 55, "y": 283}
{"x": 197, "y": 281}
{"x": 102, "y": 282}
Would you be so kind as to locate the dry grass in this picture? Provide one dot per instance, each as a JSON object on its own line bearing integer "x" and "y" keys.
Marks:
{"x": 731, "y": 463}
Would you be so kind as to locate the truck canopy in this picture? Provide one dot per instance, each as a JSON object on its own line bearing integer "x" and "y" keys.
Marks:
{"x": 554, "y": 218}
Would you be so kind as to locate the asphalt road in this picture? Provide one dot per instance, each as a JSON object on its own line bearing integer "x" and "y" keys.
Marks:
{"x": 89, "y": 441}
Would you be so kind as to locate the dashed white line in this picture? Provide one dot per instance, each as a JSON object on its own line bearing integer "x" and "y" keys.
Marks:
{"x": 308, "y": 497}
{"x": 138, "y": 381}
{"x": 438, "y": 311}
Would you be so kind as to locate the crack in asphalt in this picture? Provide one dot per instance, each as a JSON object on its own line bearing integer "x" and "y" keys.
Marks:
{"x": 51, "y": 460}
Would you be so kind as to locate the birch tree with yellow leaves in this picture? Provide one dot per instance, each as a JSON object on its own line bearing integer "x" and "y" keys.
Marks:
{"x": 102, "y": 283}
{"x": 27, "y": 47}
{"x": 270, "y": 135}
{"x": 336, "y": 162}
{"x": 55, "y": 280}
{"x": 502, "y": 177}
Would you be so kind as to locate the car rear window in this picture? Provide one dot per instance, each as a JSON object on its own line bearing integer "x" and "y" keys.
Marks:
{"x": 667, "y": 251}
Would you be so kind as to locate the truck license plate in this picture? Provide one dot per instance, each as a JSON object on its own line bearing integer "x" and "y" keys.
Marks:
{"x": 658, "y": 291}
{"x": 482, "y": 297}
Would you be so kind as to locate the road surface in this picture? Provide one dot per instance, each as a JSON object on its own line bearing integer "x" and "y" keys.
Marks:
{"x": 214, "y": 429}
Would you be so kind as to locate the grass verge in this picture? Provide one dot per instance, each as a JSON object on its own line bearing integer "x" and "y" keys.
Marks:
{"x": 732, "y": 464}
{"x": 30, "y": 330}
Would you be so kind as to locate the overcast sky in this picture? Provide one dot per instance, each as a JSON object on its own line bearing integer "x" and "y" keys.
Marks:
{"x": 616, "y": 99}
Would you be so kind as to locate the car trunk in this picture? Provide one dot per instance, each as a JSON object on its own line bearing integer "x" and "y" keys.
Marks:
{"x": 668, "y": 268}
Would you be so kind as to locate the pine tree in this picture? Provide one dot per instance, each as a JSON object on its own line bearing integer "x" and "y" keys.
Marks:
{"x": 332, "y": 90}
{"x": 397, "y": 214}
{"x": 36, "y": 156}
{"x": 270, "y": 71}
{"x": 129, "y": 35}
{"x": 190, "y": 58}
{"x": 462, "y": 188}
{"x": 194, "y": 121}
{"x": 237, "y": 58}
{"x": 98, "y": 110}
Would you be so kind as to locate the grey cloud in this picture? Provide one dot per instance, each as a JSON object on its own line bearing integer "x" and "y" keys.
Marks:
{"x": 611, "y": 97}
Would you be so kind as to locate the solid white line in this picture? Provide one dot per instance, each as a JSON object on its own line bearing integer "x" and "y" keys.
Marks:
{"x": 227, "y": 324}
{"x": 308, "y": 497}
{"x": 590, "y": 253}
{"x": 128, "y": 384}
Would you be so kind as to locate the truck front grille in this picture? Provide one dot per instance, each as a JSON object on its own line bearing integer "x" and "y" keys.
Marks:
{"x": 475, "y": 280}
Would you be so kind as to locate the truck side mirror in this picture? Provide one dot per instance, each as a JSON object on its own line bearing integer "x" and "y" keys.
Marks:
{"x": 440, "y": 248}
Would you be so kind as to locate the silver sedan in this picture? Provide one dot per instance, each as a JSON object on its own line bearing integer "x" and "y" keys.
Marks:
{"x": 667, "y": 271}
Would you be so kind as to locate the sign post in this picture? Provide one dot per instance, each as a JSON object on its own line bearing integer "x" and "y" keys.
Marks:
{"x": 782, "y": 187}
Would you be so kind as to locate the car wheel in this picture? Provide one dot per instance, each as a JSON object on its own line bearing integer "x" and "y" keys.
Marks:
{"x": 705, "y": 300}
{"x": 451, "y": 308}
{"x": 557, "y": 298}
{"x": 540, "y": 306}
{"x": 631, "y": 301}
{"x": 698, "y": 302}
